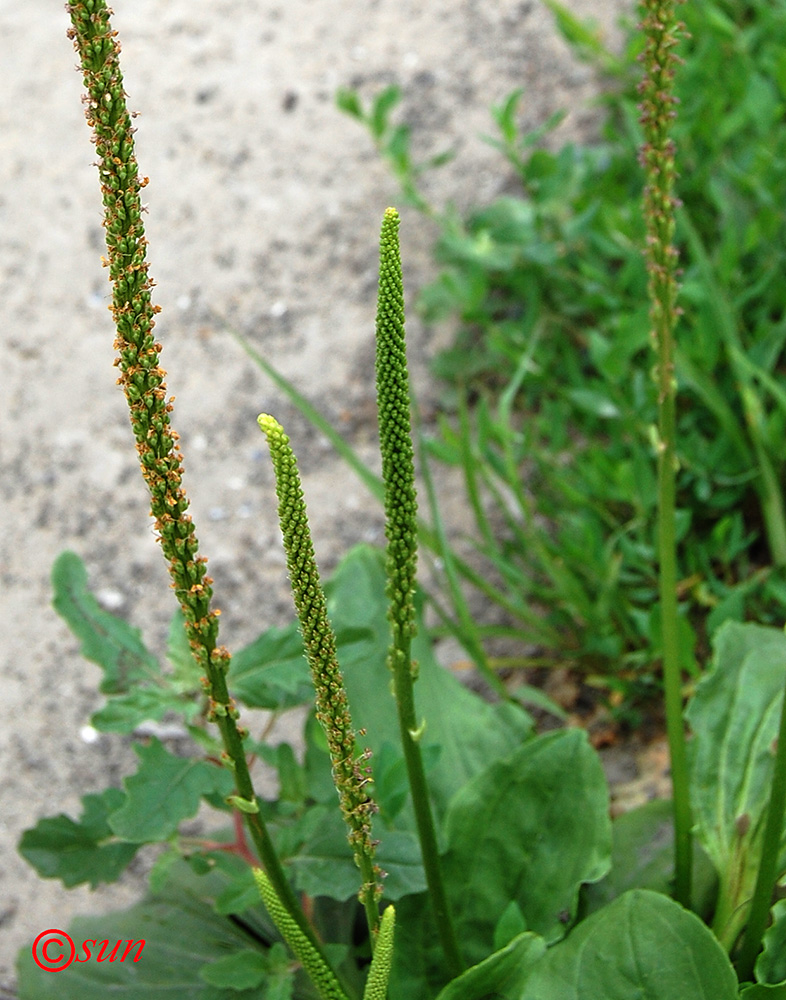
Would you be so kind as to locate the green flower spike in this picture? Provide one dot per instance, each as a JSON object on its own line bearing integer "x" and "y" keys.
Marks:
{"x": 381, "y": 963}
{"x": 395, "y": 437}
{"x": 398, "y": 472}
{"x": 318, "y": 972}
{"x": 350, "y": 776}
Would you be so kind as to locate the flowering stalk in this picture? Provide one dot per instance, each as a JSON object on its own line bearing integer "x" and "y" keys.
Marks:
{"x": 317, "y": 969}
{"x": 350, "y": 776}
{"x": 398, "y": 473}
{"x": 382, "y": 962}
{"x": 657, "y": 158}
{"x": 142, "y": 380}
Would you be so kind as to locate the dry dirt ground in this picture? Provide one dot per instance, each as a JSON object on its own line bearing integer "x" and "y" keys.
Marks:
{"x": 264, "y": 208}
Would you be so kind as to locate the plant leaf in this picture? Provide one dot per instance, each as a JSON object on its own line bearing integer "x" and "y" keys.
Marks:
{"x": 251, "y": 968}
{"x": 642, "y": 944}
{"x": 123, "y": 713}
{"x": 771, "y": 964}
{"x": 272, "y": 671}
{"x": 106, "y": 640}
{"x": 734, "y": 716}
{"x": 325, "y": 866}
{"x": 83, "y": 851}
{"x": 163, "y": 792}
{"x": 182, "y": 935}
{"x": 550, "y": 795}
{"x": 642, "y": 857}
{"x": 503, "y": 974}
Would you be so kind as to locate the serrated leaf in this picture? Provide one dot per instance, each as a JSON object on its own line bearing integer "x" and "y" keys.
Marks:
{"x": 771, "y": 964}
{"x": 82, "y": 851}
{"x": 164, "y": 791}
{"x": 642, "y": 944}
{"x": 106, "y": 640}
{"x": 123, "y": 713}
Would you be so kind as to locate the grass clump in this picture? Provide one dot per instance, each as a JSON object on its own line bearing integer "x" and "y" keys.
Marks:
{"x": 548, "y": 378}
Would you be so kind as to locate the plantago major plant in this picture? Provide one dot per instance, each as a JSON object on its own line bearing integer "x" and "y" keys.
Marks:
{"x": 493, "y": 868}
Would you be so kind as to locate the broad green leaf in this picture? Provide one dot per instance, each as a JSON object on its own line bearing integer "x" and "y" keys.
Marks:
{"x": 642, "y": 857}
{"x": 531, "y": 828}
{"x": 272, "y": 671}
{"x": 641, "y": 945}
{"x": 164, "y": 791}
{"x": 771, "y": 964}
{"x": 325, "y": 866}
{"x": 108, "y": 641}
{"x": 470, "y": 732}
{"x": 83, "y": 851}
{"x": 240, "y": 970}
{"x": 502, "y": 974}
{"x": 181, "y": 934}
{"x": 759, "y": 991}
{"x": 734, "y": 716}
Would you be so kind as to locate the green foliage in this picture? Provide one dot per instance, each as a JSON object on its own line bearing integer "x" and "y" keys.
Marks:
{"x": 80, "y": 851}
{"x": 486, "y": 828}
{"x": 550, "y": 794}
{"x": 666, "y": 951}
{"x": 734, "y": 716}
{"x": 549, "y": 375}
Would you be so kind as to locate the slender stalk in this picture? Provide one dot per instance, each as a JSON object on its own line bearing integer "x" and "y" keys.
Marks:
{"x": 770, "y": 851}
{"x": 657, "y": 158}
{"x": 398, "y": 473}
{"x": 142, "y": 380}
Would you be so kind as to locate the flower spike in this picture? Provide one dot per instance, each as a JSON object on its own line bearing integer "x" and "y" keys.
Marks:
{"x": 351, "y": 774}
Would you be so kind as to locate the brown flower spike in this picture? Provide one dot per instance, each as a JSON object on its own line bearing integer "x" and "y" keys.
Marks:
{"x": 141, "y": 376}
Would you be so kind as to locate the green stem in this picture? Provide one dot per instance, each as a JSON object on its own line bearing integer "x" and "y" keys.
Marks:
{"x": 768, "y": 868}
{"x": 657, "y": 158}
{"x": 398, "y": 473}
{"x": 667, "y": 586}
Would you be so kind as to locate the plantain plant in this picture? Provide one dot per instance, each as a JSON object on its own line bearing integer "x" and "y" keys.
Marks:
{"x": 492, "y": 867}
